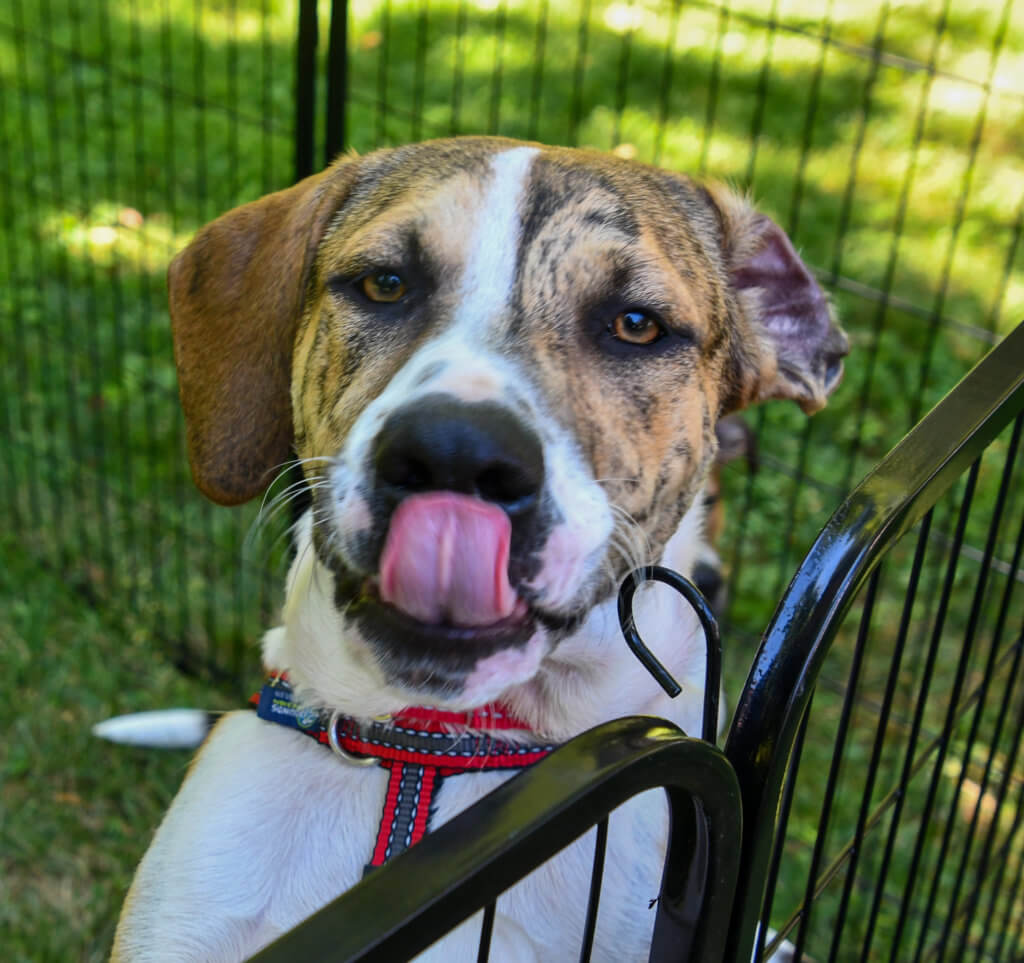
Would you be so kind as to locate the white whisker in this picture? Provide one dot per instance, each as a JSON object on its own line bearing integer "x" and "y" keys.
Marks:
{"x": 629, "y": 542}
{"x": 280, "y": 501}
{"x": 284, "y": 467}
{"x": 269, "y": 511}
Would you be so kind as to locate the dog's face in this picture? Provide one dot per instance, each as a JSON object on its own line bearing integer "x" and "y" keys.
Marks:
{"x": 502, "y": 366}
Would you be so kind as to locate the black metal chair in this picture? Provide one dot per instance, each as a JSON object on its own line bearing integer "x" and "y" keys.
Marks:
{"x": 715, "y": 893}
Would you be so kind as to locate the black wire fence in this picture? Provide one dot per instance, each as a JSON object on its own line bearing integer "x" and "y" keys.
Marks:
{"x": 124, "y": 127}
{"x": 897, "y": 818}
{"x": 886, "y": 138}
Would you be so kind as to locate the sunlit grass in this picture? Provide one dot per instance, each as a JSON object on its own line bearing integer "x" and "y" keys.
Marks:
{"x": 109, "y": 234}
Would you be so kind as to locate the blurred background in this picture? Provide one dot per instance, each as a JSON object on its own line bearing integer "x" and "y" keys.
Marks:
{"x": 887, "y": 138}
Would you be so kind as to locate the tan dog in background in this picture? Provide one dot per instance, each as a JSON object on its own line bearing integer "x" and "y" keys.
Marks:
{"x": 501, "y": 366}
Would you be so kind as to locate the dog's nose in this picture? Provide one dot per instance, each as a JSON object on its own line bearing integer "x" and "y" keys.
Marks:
{"x": 440, "y": 443}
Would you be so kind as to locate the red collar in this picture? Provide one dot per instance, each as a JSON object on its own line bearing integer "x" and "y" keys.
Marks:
{"x": 419, "y": 745}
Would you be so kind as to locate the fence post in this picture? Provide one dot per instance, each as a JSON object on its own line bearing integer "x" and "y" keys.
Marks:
{"x": 305, "y": 88}
{"x": 337, "y": 81}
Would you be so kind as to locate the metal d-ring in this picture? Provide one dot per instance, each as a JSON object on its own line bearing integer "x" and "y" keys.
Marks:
{"x": 332, "y": 738}
{"x": 690, "y": 592}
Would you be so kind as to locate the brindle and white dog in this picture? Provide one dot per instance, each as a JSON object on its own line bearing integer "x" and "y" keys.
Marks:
{"x": 501, "y": 366}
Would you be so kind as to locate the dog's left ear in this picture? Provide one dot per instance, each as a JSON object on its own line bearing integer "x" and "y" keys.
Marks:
{"x": 793, "y": 347}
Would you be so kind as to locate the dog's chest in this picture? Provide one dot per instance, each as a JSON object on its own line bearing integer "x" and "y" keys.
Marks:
{"x": 311, "y": 821}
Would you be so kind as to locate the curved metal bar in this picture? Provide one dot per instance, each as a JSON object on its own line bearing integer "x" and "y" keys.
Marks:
{"x": 712, "y": 637}
{"x": 463, "y": 865}
{"x": 890, "y": 501}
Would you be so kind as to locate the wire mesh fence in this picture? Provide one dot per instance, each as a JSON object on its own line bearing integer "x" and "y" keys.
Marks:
{"x": 125, "y": 126}
{"x": 885, "y": 137}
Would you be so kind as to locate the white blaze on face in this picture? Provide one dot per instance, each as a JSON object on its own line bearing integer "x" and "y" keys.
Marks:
{"x": 494, "y": 243}
{"x": 472, "y": 372}
{"x": 461, "y": 361}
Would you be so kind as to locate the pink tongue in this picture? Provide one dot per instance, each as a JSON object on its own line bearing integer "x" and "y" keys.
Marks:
{"x": 446, "y": 560}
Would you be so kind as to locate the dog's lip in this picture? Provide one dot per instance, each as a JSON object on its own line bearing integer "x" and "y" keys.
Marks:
{"x": 519, "y": 624}
{"x": 435, "y": 658}
{"x": 367, "y": 597}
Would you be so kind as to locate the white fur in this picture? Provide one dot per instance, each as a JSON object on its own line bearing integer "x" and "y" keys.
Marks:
{"x": 269, "y": 842}
{"x": 490, "y": 271}
{"x": 269, "y": 826}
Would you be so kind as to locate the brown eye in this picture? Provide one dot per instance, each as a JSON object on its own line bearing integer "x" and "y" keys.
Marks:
{"x": 635, "y": 327}
{"x": 384, "y": 286}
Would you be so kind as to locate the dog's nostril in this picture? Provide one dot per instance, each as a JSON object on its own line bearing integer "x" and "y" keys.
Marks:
{"x": 443, "y": 444}
{"x": 408, "y": 474}
{"x": 507, "y": 486}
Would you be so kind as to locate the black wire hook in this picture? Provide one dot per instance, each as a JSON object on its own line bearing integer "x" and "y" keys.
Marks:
{"x": 699, "y": 604}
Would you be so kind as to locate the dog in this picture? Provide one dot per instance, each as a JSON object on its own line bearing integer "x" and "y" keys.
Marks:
{"x": 501, "y": 366}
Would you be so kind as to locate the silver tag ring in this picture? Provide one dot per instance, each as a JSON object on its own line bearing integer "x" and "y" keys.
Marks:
{"x": 332, "y": 738}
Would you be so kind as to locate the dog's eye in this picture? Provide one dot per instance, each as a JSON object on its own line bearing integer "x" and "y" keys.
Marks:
{"x": 383, "y": 286}
{"x": 635, "y": 327}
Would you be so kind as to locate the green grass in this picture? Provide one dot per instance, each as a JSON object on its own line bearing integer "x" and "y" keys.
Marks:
{"x": 124, "y": 127}
{"x": 77, "y": 812}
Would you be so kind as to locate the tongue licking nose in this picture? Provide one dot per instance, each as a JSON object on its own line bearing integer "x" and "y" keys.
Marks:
{"x": 445, "y": 560}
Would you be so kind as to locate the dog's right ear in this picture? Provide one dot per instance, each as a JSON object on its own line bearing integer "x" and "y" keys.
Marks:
{"x": 236, "y": 295}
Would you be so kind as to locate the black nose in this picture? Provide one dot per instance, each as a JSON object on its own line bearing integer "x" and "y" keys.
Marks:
{"x": 440, "y": 443}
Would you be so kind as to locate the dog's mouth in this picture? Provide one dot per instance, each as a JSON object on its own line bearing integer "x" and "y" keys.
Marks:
{"x": 445, "y": 562}
{"x": 435, "y": 657}
{"x": 441, "y": 603}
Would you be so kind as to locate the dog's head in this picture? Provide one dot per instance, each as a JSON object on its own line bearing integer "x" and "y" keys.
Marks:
{"x": 502, "y": 366}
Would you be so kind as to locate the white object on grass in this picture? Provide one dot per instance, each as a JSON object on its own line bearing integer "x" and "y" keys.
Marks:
{"x": 160, "y": 728}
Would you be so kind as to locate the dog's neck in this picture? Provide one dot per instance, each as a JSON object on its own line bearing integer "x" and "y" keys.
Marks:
{"x": 276, "y": 702}
{"x": 557, "y": 704}
{"x": 417, "y": 748}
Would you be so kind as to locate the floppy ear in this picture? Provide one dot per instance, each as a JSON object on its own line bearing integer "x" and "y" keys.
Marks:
{"x": 236, "y": 295}
{"x": 795, "y": 348}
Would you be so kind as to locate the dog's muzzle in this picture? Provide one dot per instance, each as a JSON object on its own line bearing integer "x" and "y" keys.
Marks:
{"x": 457, "y": 493}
